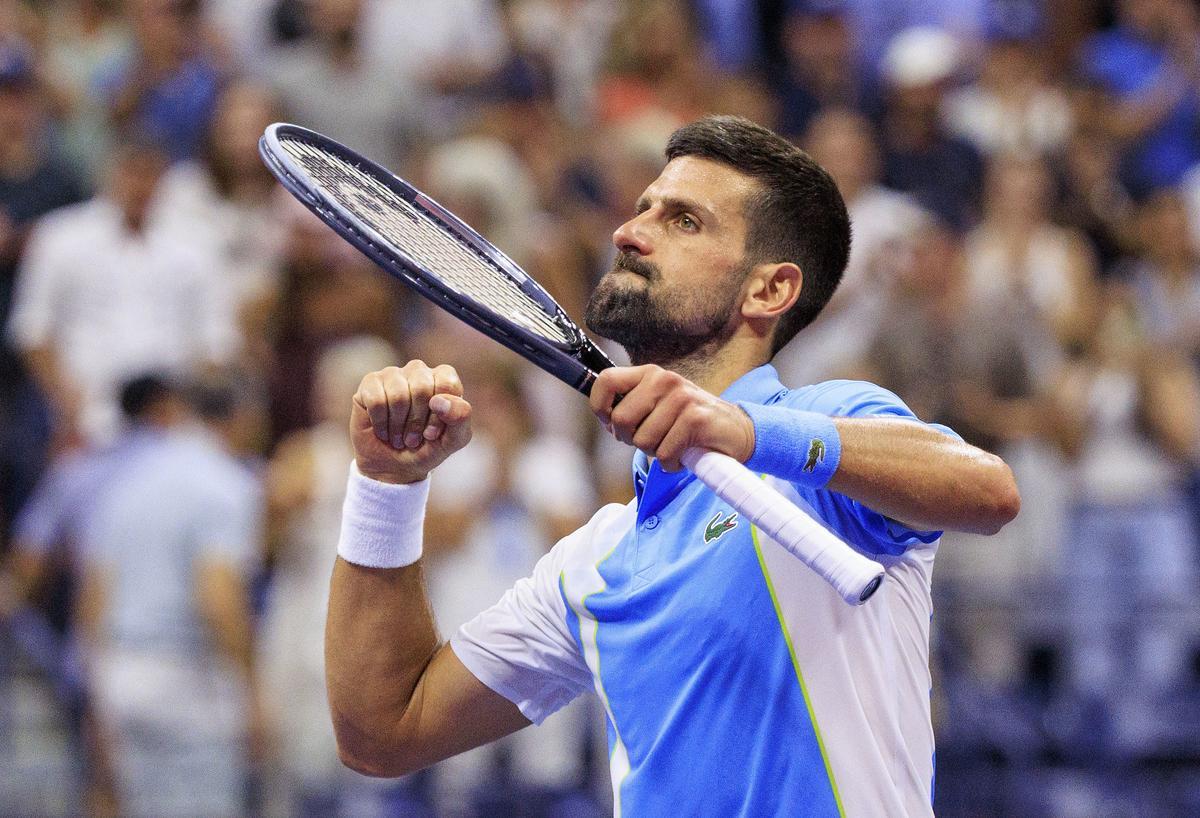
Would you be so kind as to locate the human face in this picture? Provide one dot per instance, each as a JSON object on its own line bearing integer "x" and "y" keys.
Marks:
{"x": 676, "y": 283}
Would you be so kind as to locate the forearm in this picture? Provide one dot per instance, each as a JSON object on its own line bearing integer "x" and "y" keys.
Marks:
{"x": 901, "y": 469}
{"x": 380, "y": 634}
{"x": 379, "y": 638}
{"x": 925, "y": 479}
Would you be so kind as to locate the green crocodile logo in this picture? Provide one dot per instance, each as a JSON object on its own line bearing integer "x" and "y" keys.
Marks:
{"x": 816, "y": 454}
{"x": 717, "y": 527}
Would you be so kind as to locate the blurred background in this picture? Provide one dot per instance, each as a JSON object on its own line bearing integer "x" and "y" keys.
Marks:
{"x": 180, "y": 341}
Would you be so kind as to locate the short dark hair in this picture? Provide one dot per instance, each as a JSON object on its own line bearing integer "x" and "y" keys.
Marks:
{"x": 142, "y": 393}
{"x": 798, "y": 214}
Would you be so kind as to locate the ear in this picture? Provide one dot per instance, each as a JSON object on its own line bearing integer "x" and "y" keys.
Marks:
{"x": 771, "y": 290}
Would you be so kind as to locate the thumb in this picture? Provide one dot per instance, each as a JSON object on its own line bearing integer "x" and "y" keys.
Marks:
{"x": 449, "y": 420}
{"x": 450, "y": 409}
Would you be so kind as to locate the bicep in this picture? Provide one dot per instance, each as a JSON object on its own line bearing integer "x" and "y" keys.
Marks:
{"x": 451, "y": 711}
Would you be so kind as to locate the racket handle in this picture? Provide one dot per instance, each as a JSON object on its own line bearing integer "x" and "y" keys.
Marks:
{"x": 852, "y": 575}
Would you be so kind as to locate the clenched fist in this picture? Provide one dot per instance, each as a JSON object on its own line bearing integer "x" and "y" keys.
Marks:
{"x": 406, "y": 420}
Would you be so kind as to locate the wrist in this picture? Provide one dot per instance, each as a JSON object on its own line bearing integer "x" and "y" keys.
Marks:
{"x": 801, "y": 447}
{"x": 382, "y": 521}
{"x": 389, "y": 473}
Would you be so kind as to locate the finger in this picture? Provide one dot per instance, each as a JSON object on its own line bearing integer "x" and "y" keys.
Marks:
{"x": 653, "y": 429}
{"x": 398, "y": 400}
{"x": 445, "y": 382}
{"x": 637, "y": 404}
{"x": 372, "y": 397}
{"x": 454, "y": 414}
{"x": 674, "y": 443}
{"x": 450, "y": 409}
{"x": 611, "y": 382}
{"x": 420, "y": 385}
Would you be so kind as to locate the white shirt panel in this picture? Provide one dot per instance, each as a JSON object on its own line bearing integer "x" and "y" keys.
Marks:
{"x": 522, "y": 646}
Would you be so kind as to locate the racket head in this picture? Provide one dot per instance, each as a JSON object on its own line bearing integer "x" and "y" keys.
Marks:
{"x": 379, "y": 213}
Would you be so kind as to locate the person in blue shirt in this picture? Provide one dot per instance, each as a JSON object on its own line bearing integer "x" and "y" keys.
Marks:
{"x": 735, "y": 681}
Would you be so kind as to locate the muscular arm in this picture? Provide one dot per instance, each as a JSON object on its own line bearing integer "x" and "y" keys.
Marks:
{"x": 922, "y": 478}
{"x": 904, "y": 470}
{"x": 400, "y": 699}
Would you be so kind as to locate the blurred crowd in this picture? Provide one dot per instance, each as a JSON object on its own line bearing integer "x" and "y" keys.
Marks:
{"x": 181, "y": 340}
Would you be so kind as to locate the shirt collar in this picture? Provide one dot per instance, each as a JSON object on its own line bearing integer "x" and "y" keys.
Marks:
{"x": 759, "y": 385}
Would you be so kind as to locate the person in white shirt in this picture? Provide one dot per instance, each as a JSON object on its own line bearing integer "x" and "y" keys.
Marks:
{"x": 104, "y": 293}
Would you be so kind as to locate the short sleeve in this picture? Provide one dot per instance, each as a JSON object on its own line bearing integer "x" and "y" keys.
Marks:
{"x": 854, "y": 521}
{"x": 522, "y": 647}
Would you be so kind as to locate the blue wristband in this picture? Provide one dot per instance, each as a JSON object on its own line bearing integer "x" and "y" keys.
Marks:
{"x": 798, "y": 446}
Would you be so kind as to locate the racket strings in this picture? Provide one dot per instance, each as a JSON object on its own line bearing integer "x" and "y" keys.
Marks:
{"x": 422, "y": 237}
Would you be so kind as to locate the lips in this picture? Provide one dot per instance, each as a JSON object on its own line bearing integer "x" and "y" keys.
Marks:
{"x": 629, "y": 263}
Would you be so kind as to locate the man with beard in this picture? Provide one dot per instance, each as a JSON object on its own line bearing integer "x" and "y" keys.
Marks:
{"x": 735, "y": 681}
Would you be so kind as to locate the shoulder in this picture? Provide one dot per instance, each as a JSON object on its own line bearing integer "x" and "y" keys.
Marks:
{"x": 591, "y": 542}
{"x": 847, "y": 398}
{"x": 73, "y": 222}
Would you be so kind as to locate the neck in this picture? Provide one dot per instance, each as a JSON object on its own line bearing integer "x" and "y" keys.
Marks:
{"x": 715, "y": 366}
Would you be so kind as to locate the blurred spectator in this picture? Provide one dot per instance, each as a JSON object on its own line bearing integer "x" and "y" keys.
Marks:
{"x": 1095, "y": 201}
{"x": 844, "y": 143}
{"x": 1130, "y": 551}
{"x": 168, "y": 552}
{"x": 920, "y": 157}
{"x": 105, "y": 292}
{"x": 168, "y": 88}
{"x": 47, "y": 559}
{"x": 85, "y": 39}
{"x": 448, "y": 46}
{"x": 33, "y": 181}
{"x": 818, "y": 69}
{"x": 656, "y": 64}
{"x": 228, "y": 202}
{"x": 572, "y": 38}
{"x": 1150, "y": 65}
{"x": 333, "y": 83}
{"x": 1012, "y": 107}
{"x": 1165, "y": 277}
{"x": 1017, "y": 257}
{"x": 242, "y": 33}
{"x": 732, "y": 33}
{"x": 306, "y": 483}
{"x": 47, "y": 537}
{"x": 499, "y": 506}
{"x": 328, "y": 292}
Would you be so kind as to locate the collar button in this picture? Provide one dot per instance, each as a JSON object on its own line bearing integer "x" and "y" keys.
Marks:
{"x": 651, "y": 522}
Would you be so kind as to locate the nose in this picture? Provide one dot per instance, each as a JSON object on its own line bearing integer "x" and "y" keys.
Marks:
{"x": 631, "y": 237}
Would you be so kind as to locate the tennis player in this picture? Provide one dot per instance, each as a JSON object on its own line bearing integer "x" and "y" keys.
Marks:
{"x": 736, "y": 682}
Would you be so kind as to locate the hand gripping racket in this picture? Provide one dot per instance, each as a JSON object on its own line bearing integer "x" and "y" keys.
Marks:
{"x": 432, "y": 251}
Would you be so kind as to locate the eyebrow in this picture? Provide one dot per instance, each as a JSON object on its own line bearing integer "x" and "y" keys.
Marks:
{"x": 676, "y": 204}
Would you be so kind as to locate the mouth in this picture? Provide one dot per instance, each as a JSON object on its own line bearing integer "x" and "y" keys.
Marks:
{"x": 628, "y": 263}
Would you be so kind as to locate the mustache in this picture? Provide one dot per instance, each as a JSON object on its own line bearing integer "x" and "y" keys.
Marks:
{"x": 635, "y": 264}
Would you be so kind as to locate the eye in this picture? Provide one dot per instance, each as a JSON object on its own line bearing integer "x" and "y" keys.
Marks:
{"x": 688, "y": 223}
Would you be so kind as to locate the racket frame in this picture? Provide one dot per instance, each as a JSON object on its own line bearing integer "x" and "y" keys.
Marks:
{"x": 575, "y": 362}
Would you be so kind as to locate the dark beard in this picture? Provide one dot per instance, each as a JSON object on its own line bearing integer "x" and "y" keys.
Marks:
{"x": 652, "y": 332}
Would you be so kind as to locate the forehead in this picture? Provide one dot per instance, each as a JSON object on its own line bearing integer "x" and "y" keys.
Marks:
{"x": 717, "y": 187}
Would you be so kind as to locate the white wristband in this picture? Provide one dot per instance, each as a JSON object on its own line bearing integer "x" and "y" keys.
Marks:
{"x": 382, "y": 523}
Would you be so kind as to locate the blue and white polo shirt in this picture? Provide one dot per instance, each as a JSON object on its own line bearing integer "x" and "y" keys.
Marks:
{"x": 735, "y": 681}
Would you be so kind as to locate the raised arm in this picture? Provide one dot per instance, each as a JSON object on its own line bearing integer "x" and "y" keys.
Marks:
{"x": 400, "y": 698}
{"x": 901, "y": 469}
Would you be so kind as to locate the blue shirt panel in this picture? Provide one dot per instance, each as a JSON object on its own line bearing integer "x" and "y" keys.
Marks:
{"x": 692, "y": 657}
{"x": 697, "y": 671}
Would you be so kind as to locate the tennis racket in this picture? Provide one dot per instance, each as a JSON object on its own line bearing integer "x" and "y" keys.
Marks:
{"x": 435, "y": 253}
